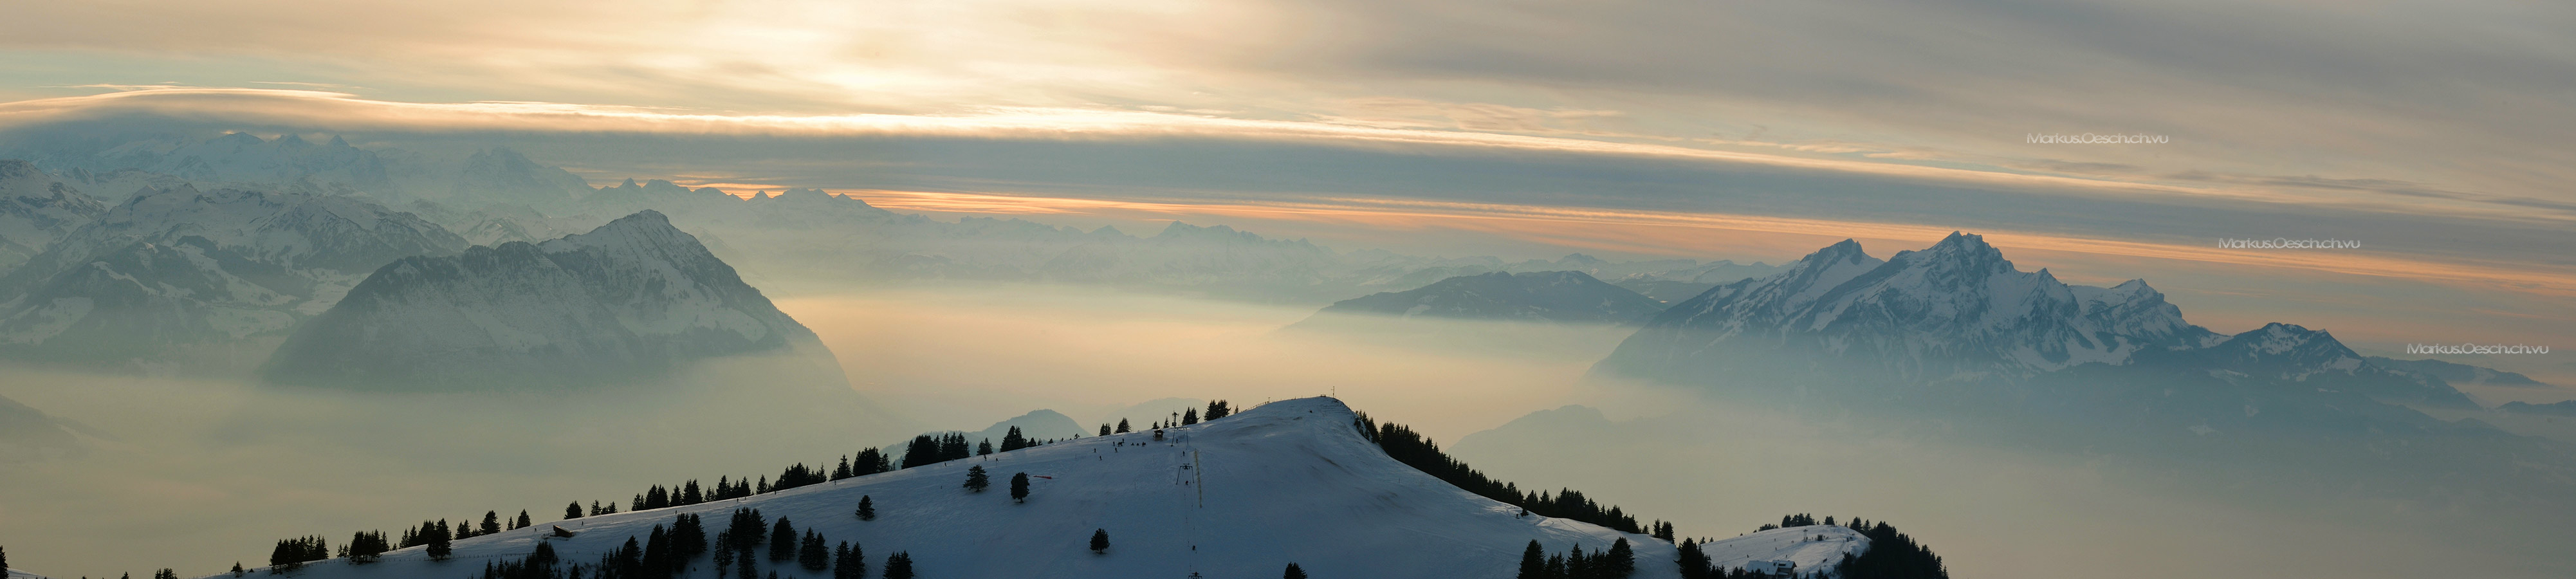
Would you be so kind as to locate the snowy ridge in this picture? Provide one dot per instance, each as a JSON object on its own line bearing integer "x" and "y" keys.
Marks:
{"x": 1291, "y": 481}
{"x": 636, "y": 297}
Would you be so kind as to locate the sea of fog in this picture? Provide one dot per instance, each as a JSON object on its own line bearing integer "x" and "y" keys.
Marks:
{"x": 205, "y": 472}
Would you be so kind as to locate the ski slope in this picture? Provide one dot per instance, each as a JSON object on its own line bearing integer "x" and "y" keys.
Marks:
{"x": 1291, "y": 481}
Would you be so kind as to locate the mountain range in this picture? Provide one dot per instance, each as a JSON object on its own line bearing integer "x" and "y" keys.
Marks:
{"x": 634, "y": 298}
{"x": 173, "y": 270}
{"x": 1959, "y": 311}
{"x": 1954, "y": 338}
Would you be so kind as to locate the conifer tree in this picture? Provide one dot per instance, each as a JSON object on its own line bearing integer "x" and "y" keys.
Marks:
{"x": 165, "y": 573}
{"x": 870, "y": 461}
{"x": 1189, "y": 417}
{"x": 1099, "y": 540}
{"x": 747, "y": 566}
{"x": 688, "y": 537}
{"x": 1020, "y": 487}
{"x": 1104, "y": 429}
{"x": 724, "y": 551}
{"x": 924, "y": 450}
{"x": 811, "y": 554}
{"x": 975, "y": 479}
{"x": 898, "y": 566}
{"x": 523, "y": 520}
{"x": 1122, "y": 426}
{"x": 1619, "y": 562}
{"x": 440, "y": 541}
{"x": 851, "y": 563}
{"x": 1293, "y": 572}
{"x": 867, "y": 509}
{"x": 4, "y": 560}
{"x": 1014, "y": 440}
{"x": 1695, "y": 563}
{"x": 572, "y": 511}
{"x": 491, "y": 522}
{"x": 658, "y": 560}
{"x": 237, "y": 568}
{"x": 984, "y": 448}
{"x": 1533, "y": 562}
{"x": 782, "y": 541}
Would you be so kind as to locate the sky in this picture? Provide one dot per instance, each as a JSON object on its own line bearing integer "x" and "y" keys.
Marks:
{"x": 2430, "y": 133}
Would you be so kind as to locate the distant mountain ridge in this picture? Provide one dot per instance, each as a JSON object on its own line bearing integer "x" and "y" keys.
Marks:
{"x": 1566, "y": 297}
{"x": 635, "y": 297}
{"x": 1957, "y": 307}
{"x": 1959, "y": 311}
{"x": 1954, "y": 339}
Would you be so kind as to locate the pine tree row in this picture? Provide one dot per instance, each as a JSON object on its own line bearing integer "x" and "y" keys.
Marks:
{"x": 1617, "y": 562}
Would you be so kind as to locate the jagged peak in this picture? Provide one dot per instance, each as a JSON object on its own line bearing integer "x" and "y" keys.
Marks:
{"x": 1579, "y": 258}
{"x": 1847, "y": 250}
{"x": 1958, "y": 250}
{"x": 340, "y": 143}
{"x": 629, "y": 184}
{"x": 238, "y": 138}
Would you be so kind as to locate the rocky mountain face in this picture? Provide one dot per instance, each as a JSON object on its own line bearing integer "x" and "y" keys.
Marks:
{"x": 169, "y": 270}
{"x": 1568, "y": 297}
{"x": 634, "y": 298}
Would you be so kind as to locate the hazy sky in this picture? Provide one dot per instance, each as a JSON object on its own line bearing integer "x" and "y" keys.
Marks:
{"x": 2432, "y": 133}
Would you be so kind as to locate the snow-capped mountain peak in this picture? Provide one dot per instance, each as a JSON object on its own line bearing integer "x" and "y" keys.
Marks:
{"x": 1957, "y": 307}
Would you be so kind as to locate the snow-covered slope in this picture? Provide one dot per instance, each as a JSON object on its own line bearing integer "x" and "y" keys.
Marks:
{"x": 1549, "y": 296}
{"x": 1811, "y": 547}
{"x": 635, "y": 297}
{"x": 1243, "y": 496}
